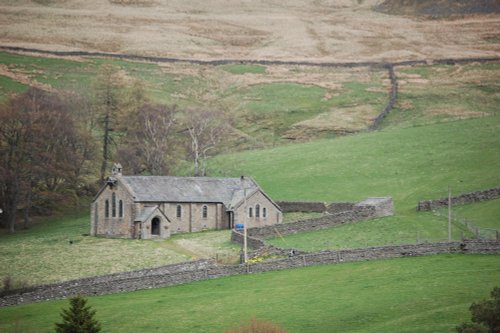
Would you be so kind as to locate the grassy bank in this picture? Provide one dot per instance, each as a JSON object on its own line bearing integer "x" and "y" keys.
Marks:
{"x": 422, "y": 294}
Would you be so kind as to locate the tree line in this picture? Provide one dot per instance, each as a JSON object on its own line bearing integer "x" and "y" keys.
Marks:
{"x": 56, "y": 147}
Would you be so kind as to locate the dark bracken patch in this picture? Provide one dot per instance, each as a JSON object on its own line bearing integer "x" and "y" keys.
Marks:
{"x": 438, "y": 8}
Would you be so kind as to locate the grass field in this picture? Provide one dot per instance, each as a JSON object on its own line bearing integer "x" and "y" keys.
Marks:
{"x": 421, "y": 294}
{"x": 483, "y": 214}
{"x": 409, "y": 165}
{"x": 378, "y": 232}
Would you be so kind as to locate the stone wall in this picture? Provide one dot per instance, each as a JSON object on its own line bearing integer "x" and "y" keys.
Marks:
{"x": 337, "y": 207}
{"x": 204, "y": 270}
{"x": 393, "y": 95}
{"x": 302, "y": 206}
{"x": 327, "y": 221}
{"x": 253, "y": 242}
{"x": 427, "y": 205}
{"x": 347, "y": 213}
{"x": 383, "y": 206}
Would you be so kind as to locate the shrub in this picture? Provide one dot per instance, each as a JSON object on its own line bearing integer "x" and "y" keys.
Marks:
{"x": 11, "y": 286}
{"x": 485, "y": 316}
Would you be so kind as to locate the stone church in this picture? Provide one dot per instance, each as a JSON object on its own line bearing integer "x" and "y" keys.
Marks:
{"x": 145, "y": 207}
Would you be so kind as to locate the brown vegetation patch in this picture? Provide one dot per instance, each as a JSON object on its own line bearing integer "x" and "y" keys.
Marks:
{"x": 340, "y": 121}
{"x": 226, "y": 33}
{"x": 455, "y": 113}
{"x": 139, "y": 3}
{"x": 24, "y": 79}
{"x": 439, "y": 8}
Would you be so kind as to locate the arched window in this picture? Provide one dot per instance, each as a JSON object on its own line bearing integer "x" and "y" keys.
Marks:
{"x": 204, "y": 213}
{"x": 179, "y": 211}
{"x": 106, "y": 208}
{"x": 120, "y": 208}
{"x": 264, "y": 212}
{"x": 257, "y": 210}
{"x": 113, "y": 205}
{"x": 250, "y": 212}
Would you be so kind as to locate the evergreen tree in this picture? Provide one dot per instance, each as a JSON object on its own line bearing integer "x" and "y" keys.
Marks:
{"x": 79, "y": 318}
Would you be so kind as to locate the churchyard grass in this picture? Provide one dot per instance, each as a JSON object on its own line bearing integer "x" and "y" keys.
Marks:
{"x": 58, "y": 250}
{"x": 419, "y": 294}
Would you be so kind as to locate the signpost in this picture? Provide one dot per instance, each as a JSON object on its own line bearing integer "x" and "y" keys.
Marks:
{"x": 244, "y": 219}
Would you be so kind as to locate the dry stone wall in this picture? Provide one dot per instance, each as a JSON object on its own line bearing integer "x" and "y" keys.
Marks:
{"x": 492, "y": 193}
{"x": 301, "y": 206}
{"x": 346, "y": 213}
{"x": 337, "y": 207}
{"x": 204, "y": 270}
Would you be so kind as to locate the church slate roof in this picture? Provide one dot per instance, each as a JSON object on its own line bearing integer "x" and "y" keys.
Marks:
{"x": 187, "y": 189}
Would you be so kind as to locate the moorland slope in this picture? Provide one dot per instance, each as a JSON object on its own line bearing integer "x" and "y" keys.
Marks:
{"x": 344, "y": 30}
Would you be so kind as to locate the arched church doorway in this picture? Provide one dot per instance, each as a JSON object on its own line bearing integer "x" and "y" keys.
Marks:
{"x": 155, "y": 226}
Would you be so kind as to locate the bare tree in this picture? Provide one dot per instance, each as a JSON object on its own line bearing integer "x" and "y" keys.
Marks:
{"x": 206, "y": 129}
{"x": 148, "y": 144}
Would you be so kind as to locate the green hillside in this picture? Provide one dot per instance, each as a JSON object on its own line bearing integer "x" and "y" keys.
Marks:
{"x": 264, "y": 103}
{"x": 421, "y": 294}
{"x": 408, "y": 164}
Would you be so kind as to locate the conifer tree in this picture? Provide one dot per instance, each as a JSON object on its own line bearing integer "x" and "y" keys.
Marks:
{"x": 79, "y": 318}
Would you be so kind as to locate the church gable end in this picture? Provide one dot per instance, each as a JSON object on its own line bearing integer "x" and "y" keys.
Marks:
{"x": 113, "y": 211}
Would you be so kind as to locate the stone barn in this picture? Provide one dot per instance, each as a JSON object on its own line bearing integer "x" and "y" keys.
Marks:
{"x": 145, "y": 207}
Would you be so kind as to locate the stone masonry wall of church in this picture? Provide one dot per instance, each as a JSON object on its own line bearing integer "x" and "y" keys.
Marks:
{"x": 113, "y": 226}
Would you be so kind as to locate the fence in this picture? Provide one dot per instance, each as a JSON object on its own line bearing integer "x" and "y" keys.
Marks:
{"x": 478, "y": 232}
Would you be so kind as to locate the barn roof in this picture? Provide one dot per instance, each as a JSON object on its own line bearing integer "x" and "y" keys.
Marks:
{"x": 187, "y": 189}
